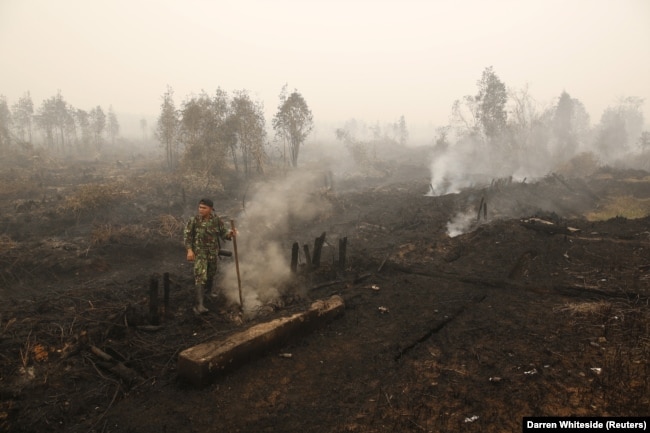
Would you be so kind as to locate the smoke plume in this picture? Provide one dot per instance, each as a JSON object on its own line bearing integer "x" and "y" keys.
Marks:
{"x": 275, "y": 208}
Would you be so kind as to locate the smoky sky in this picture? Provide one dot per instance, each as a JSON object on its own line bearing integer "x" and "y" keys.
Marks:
{"x": 374, "y": 60}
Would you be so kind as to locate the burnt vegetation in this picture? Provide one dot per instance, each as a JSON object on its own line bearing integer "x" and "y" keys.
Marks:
{"x": 470, "y": 300}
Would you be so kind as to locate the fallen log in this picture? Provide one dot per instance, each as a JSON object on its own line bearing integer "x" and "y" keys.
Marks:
{"x": 201, "y": 364}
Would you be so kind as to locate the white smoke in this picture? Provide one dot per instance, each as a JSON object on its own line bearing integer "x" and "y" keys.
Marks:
{"x": 274, "y": 208}
{"x": 461, "y": 223}
{"x": 471, "y": 163}
{"x": 468, "y": 163}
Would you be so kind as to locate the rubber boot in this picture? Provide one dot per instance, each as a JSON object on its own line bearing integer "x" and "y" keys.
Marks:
{"x": 209, "y": 289}
{"x": 199, "y": 308}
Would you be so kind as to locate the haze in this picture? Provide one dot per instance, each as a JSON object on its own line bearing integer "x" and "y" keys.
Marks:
{"x": 373, "y": 60}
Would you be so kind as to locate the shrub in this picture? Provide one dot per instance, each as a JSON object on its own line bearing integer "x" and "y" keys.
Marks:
{"x": 91, "y": 197}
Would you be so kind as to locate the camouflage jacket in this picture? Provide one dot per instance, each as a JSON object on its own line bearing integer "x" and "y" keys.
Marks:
{"x": 202, "y": 236}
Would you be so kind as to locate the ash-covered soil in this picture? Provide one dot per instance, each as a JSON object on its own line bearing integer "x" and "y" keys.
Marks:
{"x": 531, "y": 309}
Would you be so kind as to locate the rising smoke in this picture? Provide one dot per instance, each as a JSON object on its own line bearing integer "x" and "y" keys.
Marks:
{"x": 275, "y": 209}
{"x": 476, "y": 163}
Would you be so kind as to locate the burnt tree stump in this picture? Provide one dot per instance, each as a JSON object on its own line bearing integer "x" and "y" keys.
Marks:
{"x": 343, "y": 246}
{"x": 153, "y": 300}
{"x": 307, "y": 256}
{"x": 166, "y": 292}
{"x": 318, "y": 247}
{"x": 295, "y": 249}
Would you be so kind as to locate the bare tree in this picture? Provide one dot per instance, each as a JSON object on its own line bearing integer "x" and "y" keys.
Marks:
{"x": 167, "y": 129}
{"x": 620, "y": 127}
{"x": 465, "y": 117}
{"x": 113, "y": 127}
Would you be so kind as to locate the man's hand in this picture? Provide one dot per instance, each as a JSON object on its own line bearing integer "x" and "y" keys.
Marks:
{"x": 190, "y": 255}
{"x": 231, "y": 234}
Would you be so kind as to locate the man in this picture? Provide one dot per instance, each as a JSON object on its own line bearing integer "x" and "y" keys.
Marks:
{"x": 201, "y": 238}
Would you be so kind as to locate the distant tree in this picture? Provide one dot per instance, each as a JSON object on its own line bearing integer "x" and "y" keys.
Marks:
{"x": 528, "y": 129}
{"x": 570, "y": 125}
{"x": 5, "y": 123}
{"x": 201, "y": 120}
{"x": 644, "y": 141}
{"x": 224, "y": 133}
{"x": 491, "y": 99}
{"x": 23, "y": 112}
{"x": 82, "y": 119}
{"x": 441, "y": 140}
{"x": 620, "y": 127}
{"x": 56, "y": 120}
{"x": 464, "y": 114}
{"x": 45, "y": 121}
{"x": 375, "y": 130}
{"x": 227, "y": 132}
{"x": 293, "y": 122}
{"x": 529, "y": 134}
{"x": 249, "y": 125}
{"x": 483, "y": 116}
{"x": 167, "y": 129}
{"x": 524, "y": 113}
{"x": 113, "y": 127}
{"x": 401, "y": 131}
{"x": 97, "y": 125}
{"x": 283, "y": 137}
{"x": 143, "y": 126}
{"x": 343, "y": 135}
{"x": 358, "y": 148}
{"x": 632, "y": 111}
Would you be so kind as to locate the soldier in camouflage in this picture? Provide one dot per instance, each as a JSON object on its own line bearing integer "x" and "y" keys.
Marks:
{"x": 201, "y": 237}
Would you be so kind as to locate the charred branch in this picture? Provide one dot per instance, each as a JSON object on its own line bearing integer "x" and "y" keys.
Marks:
{"x": 118, "y": 368}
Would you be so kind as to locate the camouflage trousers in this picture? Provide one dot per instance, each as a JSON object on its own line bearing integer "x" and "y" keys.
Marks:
{"x": 205, "y": 268}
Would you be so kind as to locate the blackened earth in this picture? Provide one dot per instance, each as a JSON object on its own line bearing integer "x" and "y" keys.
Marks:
{"x": 514, "y": 317}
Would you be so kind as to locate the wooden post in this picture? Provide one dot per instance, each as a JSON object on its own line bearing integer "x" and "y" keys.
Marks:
{"x": 153, "y": 300}
{"x": 294, "y": 257}
{"x": 307, "y": 256}
{"x": 166, "y": 292}
{"x": 343, "y": 246}
{"x": 318, "y": 246}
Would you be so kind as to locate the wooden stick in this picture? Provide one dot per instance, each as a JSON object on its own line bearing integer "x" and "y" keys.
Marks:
{"x": 234, "y": 245}
{"x": 153, "y": 300}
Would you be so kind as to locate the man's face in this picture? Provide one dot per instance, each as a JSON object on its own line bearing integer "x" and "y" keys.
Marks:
{"x": 204, "y": 210}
